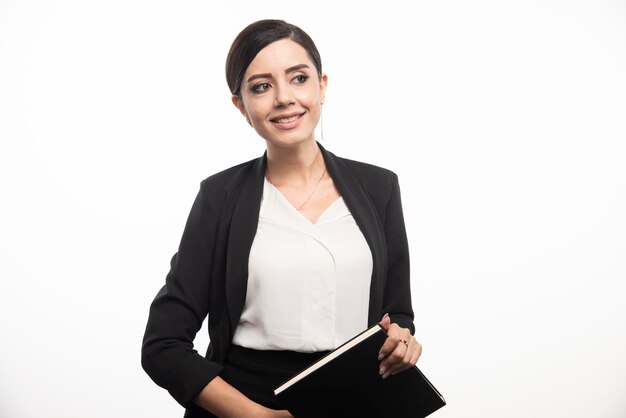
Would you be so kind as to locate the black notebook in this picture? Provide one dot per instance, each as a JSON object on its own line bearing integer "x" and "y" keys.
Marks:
{"x": 345, "y": 383}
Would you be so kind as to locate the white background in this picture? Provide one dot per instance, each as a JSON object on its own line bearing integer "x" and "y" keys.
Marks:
{"x": 505, "y": 120}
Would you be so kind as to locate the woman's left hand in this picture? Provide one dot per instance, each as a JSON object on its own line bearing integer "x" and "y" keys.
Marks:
{"x": 400, "y": 350}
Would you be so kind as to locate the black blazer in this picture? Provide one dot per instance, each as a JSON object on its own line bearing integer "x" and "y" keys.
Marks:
{"x": 208, "y": 274}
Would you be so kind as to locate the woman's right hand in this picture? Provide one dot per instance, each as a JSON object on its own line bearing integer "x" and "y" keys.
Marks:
{"x": 223, "y": 400}
{"x": 275, "y": 413}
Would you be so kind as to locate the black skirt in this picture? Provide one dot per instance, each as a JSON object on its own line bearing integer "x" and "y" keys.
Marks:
{"x": 256, "y": 373}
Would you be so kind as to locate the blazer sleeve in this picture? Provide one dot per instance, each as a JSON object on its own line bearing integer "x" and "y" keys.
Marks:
{"x": 397, "y": 296}
{"x": 180, "y": 307}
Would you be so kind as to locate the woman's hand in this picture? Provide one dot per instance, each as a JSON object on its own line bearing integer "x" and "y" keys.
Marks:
{"x": 273, "y": 413}
{"x": 400, "y": 350}
{"x": 281, "y": 414}
{"x": 223, "y": 400}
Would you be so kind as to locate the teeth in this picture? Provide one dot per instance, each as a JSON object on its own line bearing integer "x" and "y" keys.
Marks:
{"x": 287, "y": 120}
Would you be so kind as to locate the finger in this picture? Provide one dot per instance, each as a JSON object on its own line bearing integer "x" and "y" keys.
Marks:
{"x": 394, "y": 361}
{"x": 390, "y": 344}
{"x": 394, "y": 333}
{"x": 385, "y": 322}
{"x": 402, "y": 357}
{"x": 412, "y": 355}
{"x": 410, "y": 349}
{"x": 416, "y": 354}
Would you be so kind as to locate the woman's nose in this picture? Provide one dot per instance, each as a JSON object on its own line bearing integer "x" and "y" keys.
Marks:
{"x": 284, "y": 95}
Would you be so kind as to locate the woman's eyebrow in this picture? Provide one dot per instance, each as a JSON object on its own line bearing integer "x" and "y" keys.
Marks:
{"x": 295, "y": 68}
{"x": 268, "y": 75}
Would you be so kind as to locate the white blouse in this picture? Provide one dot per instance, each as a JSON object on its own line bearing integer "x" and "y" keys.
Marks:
{"x": 308, "y": 283}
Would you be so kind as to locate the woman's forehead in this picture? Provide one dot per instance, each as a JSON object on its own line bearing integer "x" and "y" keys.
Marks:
{"x": 278, "y": 57}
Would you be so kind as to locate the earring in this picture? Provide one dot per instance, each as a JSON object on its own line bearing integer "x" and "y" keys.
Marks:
{"x": 248, "y": 120}
{"x": 322, "y": 122}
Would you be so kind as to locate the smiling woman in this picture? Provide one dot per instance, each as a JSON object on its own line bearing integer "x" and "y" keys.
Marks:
{"x": 288, "y": 255}
{"x": 282, "y": 94}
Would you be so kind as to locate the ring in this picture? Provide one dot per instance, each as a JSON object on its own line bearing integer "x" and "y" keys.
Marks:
{"x": 405, "y": 342}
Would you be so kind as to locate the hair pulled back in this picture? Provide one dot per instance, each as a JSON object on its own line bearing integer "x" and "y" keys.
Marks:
{"x": 256, "y": 36}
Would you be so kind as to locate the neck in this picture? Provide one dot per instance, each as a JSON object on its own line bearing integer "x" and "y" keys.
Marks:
{"x": 298, "y": 166}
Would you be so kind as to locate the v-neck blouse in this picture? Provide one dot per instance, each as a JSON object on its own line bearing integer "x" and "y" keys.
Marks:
{"x": 308, "y": 283}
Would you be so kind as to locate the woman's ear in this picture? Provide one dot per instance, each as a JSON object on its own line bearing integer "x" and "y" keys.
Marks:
{"x": 239, "y": 104}
{"x": 323, "y": 84}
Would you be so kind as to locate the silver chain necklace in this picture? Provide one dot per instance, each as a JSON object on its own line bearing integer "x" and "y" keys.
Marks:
{"x": 301, "y": 207}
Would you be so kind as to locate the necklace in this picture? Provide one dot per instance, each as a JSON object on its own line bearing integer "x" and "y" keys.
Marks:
{"x": 301, "y": 207}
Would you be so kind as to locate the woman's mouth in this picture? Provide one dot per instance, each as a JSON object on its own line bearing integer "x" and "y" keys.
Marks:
{"x": 288, "y": 121}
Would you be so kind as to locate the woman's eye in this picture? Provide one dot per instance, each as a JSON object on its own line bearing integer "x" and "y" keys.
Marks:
{"x": 260, "y": 88}
{"x": 300, "y": 78}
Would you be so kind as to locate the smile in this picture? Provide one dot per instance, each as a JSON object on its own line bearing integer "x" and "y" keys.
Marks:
{"x": 288, "y": 120}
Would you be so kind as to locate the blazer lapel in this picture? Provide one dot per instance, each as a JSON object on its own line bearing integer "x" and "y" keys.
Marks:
{"x": 243, "y": 227}
{"x": 367, "y": 219}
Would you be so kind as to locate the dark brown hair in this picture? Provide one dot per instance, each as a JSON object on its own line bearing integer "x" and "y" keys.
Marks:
{"x": 256, "y": 36}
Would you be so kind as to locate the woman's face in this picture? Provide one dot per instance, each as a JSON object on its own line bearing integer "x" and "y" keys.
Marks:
{"x": 282, "y": 94}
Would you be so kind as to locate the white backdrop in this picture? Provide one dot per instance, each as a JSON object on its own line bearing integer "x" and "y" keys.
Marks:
{"x": 504, "y": 120}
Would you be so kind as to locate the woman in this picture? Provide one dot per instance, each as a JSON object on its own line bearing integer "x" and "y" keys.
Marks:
{"x": 288, "y": 255}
